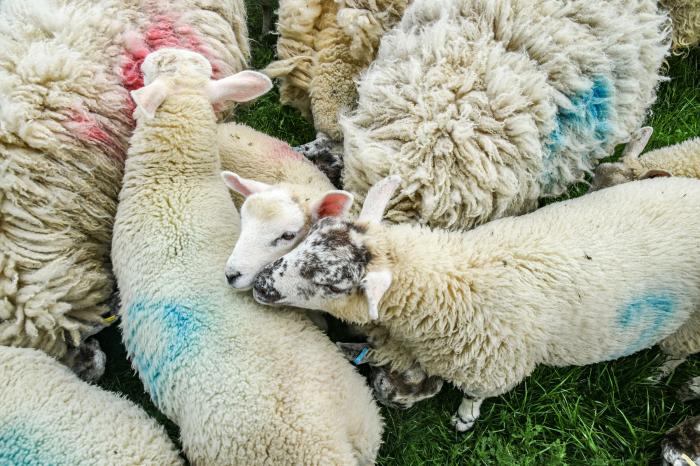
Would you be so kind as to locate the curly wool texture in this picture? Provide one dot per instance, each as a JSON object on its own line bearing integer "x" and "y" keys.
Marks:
{"x": 49, "y": 416}
{"x": 685, "y": 15}
{"x": 323, "y": 47}
{"x": 484, "y": 106}
{"x": 246, "y": 384}
{"x": 66, "y": 67}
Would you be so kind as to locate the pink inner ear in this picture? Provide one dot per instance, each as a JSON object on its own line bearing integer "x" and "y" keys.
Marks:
{"x": 242, "y": 185}
{"x": 332, "y": 205}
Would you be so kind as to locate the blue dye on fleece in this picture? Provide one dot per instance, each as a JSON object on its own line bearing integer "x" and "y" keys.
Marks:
{"x": 160, "y": 334}
{"x": 586, "y": 119}
{"x": 649, "y": 314}
{"x": 20, "y": 446}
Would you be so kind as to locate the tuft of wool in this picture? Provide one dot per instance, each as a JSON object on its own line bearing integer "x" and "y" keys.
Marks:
{"x": 485, "y": 106}
{"x": 323, "y": 47}
{"x": 685, "y": 15}
{"x": 66, "y": 67}
{"x": 49, "y": 416}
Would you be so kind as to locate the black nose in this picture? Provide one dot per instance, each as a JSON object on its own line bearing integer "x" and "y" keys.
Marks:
{"x": 232, "y": 277}
{"x": 263, "y": 289}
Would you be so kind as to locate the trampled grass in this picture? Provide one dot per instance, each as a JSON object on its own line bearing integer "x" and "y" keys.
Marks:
{"x": 596, "y": 415}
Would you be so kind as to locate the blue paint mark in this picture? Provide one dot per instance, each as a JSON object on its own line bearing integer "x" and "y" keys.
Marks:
{"x": 22, "y": 446}
{"x": 648, "y": 316}
{"x": 158, "y": 336}
{"x": 587, "y": 119}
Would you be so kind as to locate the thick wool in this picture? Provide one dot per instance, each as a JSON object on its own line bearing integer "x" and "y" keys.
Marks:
{"x": 484, "y": 106}
{"x": 49, "y": 416}
{"x": 323, "y": 47}
{"x": 66, "y": 67}
{"x": 246, "y": 385}
{"x": 685, "y": 15}
{"x": 681, "y": 159}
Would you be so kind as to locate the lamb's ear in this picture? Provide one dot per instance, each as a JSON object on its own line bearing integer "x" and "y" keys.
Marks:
{"x": 378, "y": 198}
{"x": 149, "y": 98}
{"x": 240, "y": 87}
{"x": 637, "y": 143}
{"x": 358, "y": 353}
{"x": 334, "y": 203}
{"x": 242, "y": 185}
{"x": 375, "y": 285}
{"x": 654, "y": 174}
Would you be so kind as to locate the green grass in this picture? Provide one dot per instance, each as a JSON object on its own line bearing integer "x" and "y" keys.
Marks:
{"x": 595, "y": 415}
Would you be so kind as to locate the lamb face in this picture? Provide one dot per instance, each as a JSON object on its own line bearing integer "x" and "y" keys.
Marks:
{"x": 327, "y": 268}
{"x": 610, "y": 174}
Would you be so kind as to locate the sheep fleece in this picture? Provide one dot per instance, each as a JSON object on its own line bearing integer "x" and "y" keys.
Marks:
{"x": 66, "y": 67}
{"x": 49, "y": 416}
{"x": 484, "y": 106}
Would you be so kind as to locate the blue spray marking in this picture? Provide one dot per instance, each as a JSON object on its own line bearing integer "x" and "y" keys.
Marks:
{"x": 159, "y": 335}
{"x": 648, "y": 314}
{"x": 586, "y": 119}
{"x": 22, "y": 446}
{"x": 358, "y": 360}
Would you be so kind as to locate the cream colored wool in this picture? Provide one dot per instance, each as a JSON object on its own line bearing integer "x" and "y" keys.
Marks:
{"x": 246, "y": 385}
{"x": 577, "y": 282}
{"x": 685, "y": 15}
{"x": 323, "y": 47}
{"x": 485, "y": 106}
{"x": 49, "y": 416}
{"x": 65, "y": 116}
{"x": 681, "y": 159}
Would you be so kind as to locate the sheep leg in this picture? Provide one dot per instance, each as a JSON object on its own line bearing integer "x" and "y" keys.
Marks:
{"x": 403, "y": 389}
{"x": 666, "y": 369}
{"x": 690, "y": 390}
{"x": 326, "y": 154}
{"x": 266, "y": 19}
{"x": 467, "y": 414}
{"x": 87, "y": 360}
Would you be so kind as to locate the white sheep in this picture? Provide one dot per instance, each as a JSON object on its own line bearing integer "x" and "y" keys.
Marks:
{"x": 49, "y": 416}
{"x": 323, "y": 47}
{"x": 485, "y": 106}
{"x": 245, "y": 385}
{"x": 577, "y": 282}
{"x": 681, "y": 159}
{"x": 66, "y": 69}
{"x": 685, "y": 15}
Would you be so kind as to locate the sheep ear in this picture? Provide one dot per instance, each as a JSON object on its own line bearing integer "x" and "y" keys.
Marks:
{"x": 240, "y": 87}
{"x": 150, "y": 97}
{"x": 378, "y": 198}
{"x": 654, "y": 174}
{"x": 638, "y": 142}
{"x": 333, "y": 204}
{"x": 242, "y": 185}
{"x": 375, "y": 285}
{"x": 358, "y": 353}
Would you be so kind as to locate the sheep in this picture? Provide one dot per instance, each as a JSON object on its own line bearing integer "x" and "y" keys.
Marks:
{"x": 485, "y": 106}
{"x": 66, "y": 69}
{"x": 685, "y": 15}
{"x": 678, "y": 160}
{"x": 49, "y": 416}
{"x": 681, "y": 445}
{"x": 323, "y": 46}
{"x": 245, "y": 385}
{"x": 577, "y": 282}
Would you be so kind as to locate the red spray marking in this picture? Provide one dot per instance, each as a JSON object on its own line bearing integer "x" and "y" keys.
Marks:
{"x": 83, "y": 125}
{"x": 281, "y": 150}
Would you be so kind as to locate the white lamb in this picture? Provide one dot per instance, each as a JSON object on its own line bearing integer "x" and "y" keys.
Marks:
{"x": 49, "y": 416}
{"x": 66, "y": 69}
{"x": 485, "y": 106}
{"x": 245, "y": 385}
{"x": 577, "y": 282}
{"x": 681, "y": 159}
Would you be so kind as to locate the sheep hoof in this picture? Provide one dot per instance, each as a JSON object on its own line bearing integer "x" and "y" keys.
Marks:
{"x": 87, "y": 361}
{"x": 462, "y": 425}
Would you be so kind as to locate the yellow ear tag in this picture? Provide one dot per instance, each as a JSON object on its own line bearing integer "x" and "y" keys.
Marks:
{"x": 110, "y": 319}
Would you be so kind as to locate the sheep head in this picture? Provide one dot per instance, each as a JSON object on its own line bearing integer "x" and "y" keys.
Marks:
{"x": 169, "y": 71}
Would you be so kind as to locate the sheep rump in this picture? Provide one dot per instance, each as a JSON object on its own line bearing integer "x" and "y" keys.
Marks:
{"x": 484, "y": 106}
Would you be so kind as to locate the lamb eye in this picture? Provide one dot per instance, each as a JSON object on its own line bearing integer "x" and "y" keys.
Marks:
{"x": 288, "y": 236}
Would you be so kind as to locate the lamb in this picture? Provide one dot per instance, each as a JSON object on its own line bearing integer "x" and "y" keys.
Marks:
{"x": 678, "y": 160}
{"x": 323, "y": 47}
{"x": 66, "y": 69}
{"x": 485, "y": 106}
{"x": 245, "y": 385}
{"x": 49, "y": 416}
{"x": 483, "y": 308}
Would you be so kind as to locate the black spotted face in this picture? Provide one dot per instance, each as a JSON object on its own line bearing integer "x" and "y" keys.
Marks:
{"x": 329, "y": 264}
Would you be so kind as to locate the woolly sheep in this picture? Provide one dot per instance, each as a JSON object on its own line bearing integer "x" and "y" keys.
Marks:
{"x": 678, "y": 160}
{"x": 485, "y": 106}
{"x": 685, "y": 15}
{"x": 66, "y": 69}
{"x": 577, "y": 282}
{"x": 49, "y": 416}
{"x": 681, "y": 445}
{"x": 244, "y": 384}
{"x": 323, "y": 47}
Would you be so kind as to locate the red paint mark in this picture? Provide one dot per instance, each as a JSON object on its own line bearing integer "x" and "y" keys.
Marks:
{"x": 281, "y": 150}
{"x": 84, "y": 126}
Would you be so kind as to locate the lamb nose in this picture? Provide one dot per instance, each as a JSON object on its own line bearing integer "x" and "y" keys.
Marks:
{"x": 232, "y": 277}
